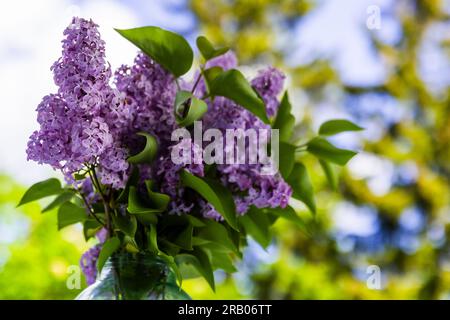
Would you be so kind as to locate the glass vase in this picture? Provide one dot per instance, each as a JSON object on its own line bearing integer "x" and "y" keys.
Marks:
{"x": 127, "y": 276}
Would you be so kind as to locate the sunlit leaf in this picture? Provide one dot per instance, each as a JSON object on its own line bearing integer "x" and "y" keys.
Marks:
{"x": 167, "y": 48}
{"x": 337, "y": 126}
{"x": 322, "y": 149}
{"x": 232, "y": 84}
{"x": 301, "y": 186}
{"x": 148, "y": 153}
{"x": 41, "y": 190}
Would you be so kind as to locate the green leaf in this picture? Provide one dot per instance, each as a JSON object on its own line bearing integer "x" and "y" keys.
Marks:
{"x": 207, "y": 49}
{"x": 216, "y": 233}
{"x": 232, "y": 84}
{"x": 184, "y": 238}
{"x": 137, "y": 206}
{"x": 287, "y": 159}
{"x": 337, "y": 126}
{"x": 148, "y": 153}
{"x": 200, "y": 262}
{"x": 152, "y": 237}
{"x": 257, "y": 225}
{"x": 329, "y": 172}
{"x": 289, "y": 213}
{"x": 172, "y": 264}
{"x": 284, "y": 120}
{"x": 158, "y": 200}
{"x": 301, "y": 186}
{"x": 126, "y": 224}
{"x": 90, "y": 228}
{"x": 59, "y": 200}
{"x": 322, "y": 149}
{"x": 210, "y": 74}
{"x": 41, "y": 190}
{"x": 109, "y": 247}
{"x": 188, "y": 108}
{"x": 213, "y": 192}
{"x": 167, "y": 48}
{"x": 70, "y": 213}
{"x": 221, "y": 260}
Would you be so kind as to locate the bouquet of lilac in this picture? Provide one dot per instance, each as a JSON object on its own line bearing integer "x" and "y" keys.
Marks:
{"x": 158, "y": 165}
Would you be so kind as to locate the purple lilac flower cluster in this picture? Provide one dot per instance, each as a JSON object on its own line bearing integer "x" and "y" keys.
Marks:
{"x": 81, "y": 124}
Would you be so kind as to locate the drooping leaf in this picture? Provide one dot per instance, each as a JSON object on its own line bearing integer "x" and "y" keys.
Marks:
{"x": 59, "y": 200}
{"x": 289, "y": 213}
{"x": 301, "y": 186}
{"x": 257, "y": 225}
{"x": 286, "y": 159}
{"x": 148, "y": 153}
{"x": 329, "y": 172}
{"x": 172, "y": 265}
{"x": 158, "y": 200}
{"x": 207, "y": 49}
{"x": 213, "y": 192}
{"x": 109, "y": 247}
{"x": 200, "y": 262}
{"x": 126, "y": 224}
{"x": 41, "y": 190}
{"x": 284, "y": 120}
{"x": 90, "y": 228}
{"x": 210, "y": 74}
{"x": 184, "y": 238}
{"x": 218, "y": 234}
{"x": 188, "y": 108}
{"x": 232, "y": 84}
{"x": 167, "y": 48}
{"x": 70, "y": 213}
{"x": 323, "y": 149}
{"x": 152, "y": 237}
{"x": 137, "y": 206}
{"x": 337, "y": 126}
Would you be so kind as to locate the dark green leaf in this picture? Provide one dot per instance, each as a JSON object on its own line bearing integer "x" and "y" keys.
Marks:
{"x": 126, "y": 224}
{"x": 232, "y": 84}
{"x": 329, "y": 172}
{"x": 59, "y": 200}
{"x": 216, "y": 233}
{"x": 207, "y": 49}
{"x": 137, "y": 206}
{"x": 167, "y": 48}
{"x": 322, "y": 149}
{"x": 158, "y": 200}
{"x": 210, "y": 190}
{"x": 284, "y": 120}
{"x": 257, "y": 225}
{"x": 172, "y": 264}
{"x": 301, "y": 186}
{"x": 184, "y": 238}
{"x": 41, "y": 190}
{"x": 200, "y": 262}
{"x": 148, "y": 153}
{"x": 188, "y": 108}
{"x": 90, "y": 228}
{"x": 152, "y": 237}
{"x": 337, "y": 126}
{"x": 109, "y": 247}
{"x": 286, "y": 159}
{"x": 70, "y": 213}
